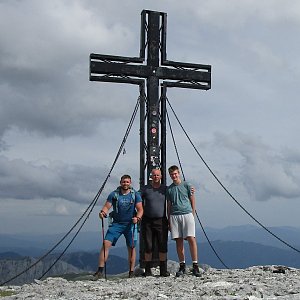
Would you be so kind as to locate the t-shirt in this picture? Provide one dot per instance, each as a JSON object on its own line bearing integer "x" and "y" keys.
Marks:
{"x": 179, "y": 196}
{"x": 124, "y": 206}
{"x": 154, "y": 200}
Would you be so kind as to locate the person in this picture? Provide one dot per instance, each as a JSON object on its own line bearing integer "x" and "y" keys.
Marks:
{"x": 154, "y": 224}
{"x": 127, "y": 212}
{"x": 181, "y": 211}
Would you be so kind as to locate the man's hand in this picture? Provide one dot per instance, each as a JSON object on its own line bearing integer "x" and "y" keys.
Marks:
{"x": 136, "y": 220}
{"x": 102, "y": 214}
{"x": 193, "y": 190}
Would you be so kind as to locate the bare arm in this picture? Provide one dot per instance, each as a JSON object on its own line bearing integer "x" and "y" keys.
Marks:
{"x": 193, "y": 190}
{"x": 168, "y": 209}
{"x": 104, "y": 211}
{"x": 169, "y": 213}
{"x": 193, "y": 202}
{"x": 139, "y": 213}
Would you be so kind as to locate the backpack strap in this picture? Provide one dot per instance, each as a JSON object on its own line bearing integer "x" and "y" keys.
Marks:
{"x": 116, "y": 197}
{"x": 133, "y": 192}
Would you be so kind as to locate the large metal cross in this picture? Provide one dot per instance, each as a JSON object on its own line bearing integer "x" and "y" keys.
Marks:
{"x": 157, "y": 71}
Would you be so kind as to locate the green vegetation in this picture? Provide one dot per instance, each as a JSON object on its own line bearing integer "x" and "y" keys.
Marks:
{"x": 6, "y": 293}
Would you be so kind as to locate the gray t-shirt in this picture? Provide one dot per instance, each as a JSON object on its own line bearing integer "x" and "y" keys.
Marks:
{"x": 179, "y": 196}
{"x": 154, "y": 200}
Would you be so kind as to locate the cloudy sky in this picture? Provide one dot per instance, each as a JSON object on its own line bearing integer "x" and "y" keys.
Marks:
{"x": 59, "y": 133}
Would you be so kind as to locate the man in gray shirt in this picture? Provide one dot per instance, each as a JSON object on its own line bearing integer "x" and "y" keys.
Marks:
{"x": 154, "y": 223}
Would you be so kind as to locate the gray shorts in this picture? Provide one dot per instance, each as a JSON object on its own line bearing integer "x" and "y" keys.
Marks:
{"x": 182, "y": 226}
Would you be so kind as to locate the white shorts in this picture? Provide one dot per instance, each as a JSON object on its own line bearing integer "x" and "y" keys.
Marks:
{"x": 182, "y": 226}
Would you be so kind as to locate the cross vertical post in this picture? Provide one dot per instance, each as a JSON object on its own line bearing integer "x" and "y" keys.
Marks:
{"x": 153, "y": 39}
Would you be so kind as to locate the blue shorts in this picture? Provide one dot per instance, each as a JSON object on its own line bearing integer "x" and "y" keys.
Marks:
{"x": 115, "y": 230}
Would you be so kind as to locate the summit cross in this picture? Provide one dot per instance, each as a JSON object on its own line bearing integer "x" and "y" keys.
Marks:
{"x": 158, "y": 72}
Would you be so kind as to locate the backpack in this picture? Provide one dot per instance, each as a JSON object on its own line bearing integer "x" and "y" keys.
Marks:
{"x": 115, "y": 200}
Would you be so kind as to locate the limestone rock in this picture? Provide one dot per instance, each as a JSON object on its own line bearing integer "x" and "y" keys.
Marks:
{"x": 258, "y": 282}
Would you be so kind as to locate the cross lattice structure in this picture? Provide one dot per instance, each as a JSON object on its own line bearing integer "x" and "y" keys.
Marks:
{"x": 153, "y": 74}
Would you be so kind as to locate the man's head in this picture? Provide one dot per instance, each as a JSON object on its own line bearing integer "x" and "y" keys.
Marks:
{"x": 156, "y": 176}
{"x": 174, "y": 173}
{"x": 125, "y": 182}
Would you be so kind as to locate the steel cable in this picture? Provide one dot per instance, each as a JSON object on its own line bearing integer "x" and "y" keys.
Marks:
{"x": 226, "y": 190}
{"x": 91, "y": 207}
{"x": 179, "y": 161}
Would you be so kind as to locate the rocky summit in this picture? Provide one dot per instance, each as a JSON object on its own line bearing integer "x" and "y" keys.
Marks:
{"x": 260, "y": 282}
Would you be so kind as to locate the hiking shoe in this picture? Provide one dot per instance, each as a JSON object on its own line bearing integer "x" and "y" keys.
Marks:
{"x": 98, "y": 275}
{"x": 196, "y": 271}
{"x": 147, "y": 273}
{"x": 130, "y": 274}
{"x": 181, "y": 270}
{"x": 165, "y": 274}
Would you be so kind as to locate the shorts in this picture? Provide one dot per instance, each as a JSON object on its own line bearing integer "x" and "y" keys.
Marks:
{"x": 155, "y": 228}
{"x": 129, "y": 230}
{"x": 182, "y": 226}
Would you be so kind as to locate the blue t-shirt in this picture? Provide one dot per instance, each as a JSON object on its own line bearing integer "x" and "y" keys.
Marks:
{"x": 124, "y": 206}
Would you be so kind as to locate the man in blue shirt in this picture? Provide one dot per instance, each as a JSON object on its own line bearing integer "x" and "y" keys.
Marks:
{"x": 127, "y": 211}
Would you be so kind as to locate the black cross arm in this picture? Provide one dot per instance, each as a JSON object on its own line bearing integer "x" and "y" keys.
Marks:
{"x": 187, "y": 85}
{"x": 203, "y": 78}
{"x": 126, "y": 59}
{"x": 120, "y": 69}
{"x": 117, "y": 79}
{"x": 125, "y": 70}
{"x": 186, "y": 65}
{"x": 101, "y": 64}
{"x": 187, "y": 75}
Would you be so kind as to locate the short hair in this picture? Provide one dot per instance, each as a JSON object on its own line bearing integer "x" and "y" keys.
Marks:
{"x": 125, "y": 177}
{"x": 173, "y": 168}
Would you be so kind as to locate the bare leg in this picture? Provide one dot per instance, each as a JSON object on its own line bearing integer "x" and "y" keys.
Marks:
{"x": 180, "y": 249}
{"x": 193, "y": 248}
{"x": 107, "y": 245}
{"x": 131, "y": 258}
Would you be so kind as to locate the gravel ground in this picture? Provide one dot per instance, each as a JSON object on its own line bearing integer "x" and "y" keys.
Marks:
{"x": 261, "y": 282}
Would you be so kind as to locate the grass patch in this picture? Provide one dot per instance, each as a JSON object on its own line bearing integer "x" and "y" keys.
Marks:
{"x": 6, "y": 293}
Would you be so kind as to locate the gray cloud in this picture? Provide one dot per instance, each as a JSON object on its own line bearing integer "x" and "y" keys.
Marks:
{"x": 49, "y": 109}
{"x": 44, "y": 68}
{"x": 264, "y": 173}
{"x": 45, "y": 180}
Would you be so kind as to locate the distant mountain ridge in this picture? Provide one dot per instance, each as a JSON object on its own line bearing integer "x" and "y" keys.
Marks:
{"x": 229, "y": 243}
{"x": 235, "y": 255}
{"x": 9, "y": 268}
{"x": 34, "y": 245}
{"x": 255, "y": 234}
{"x": 12, "y": 264}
